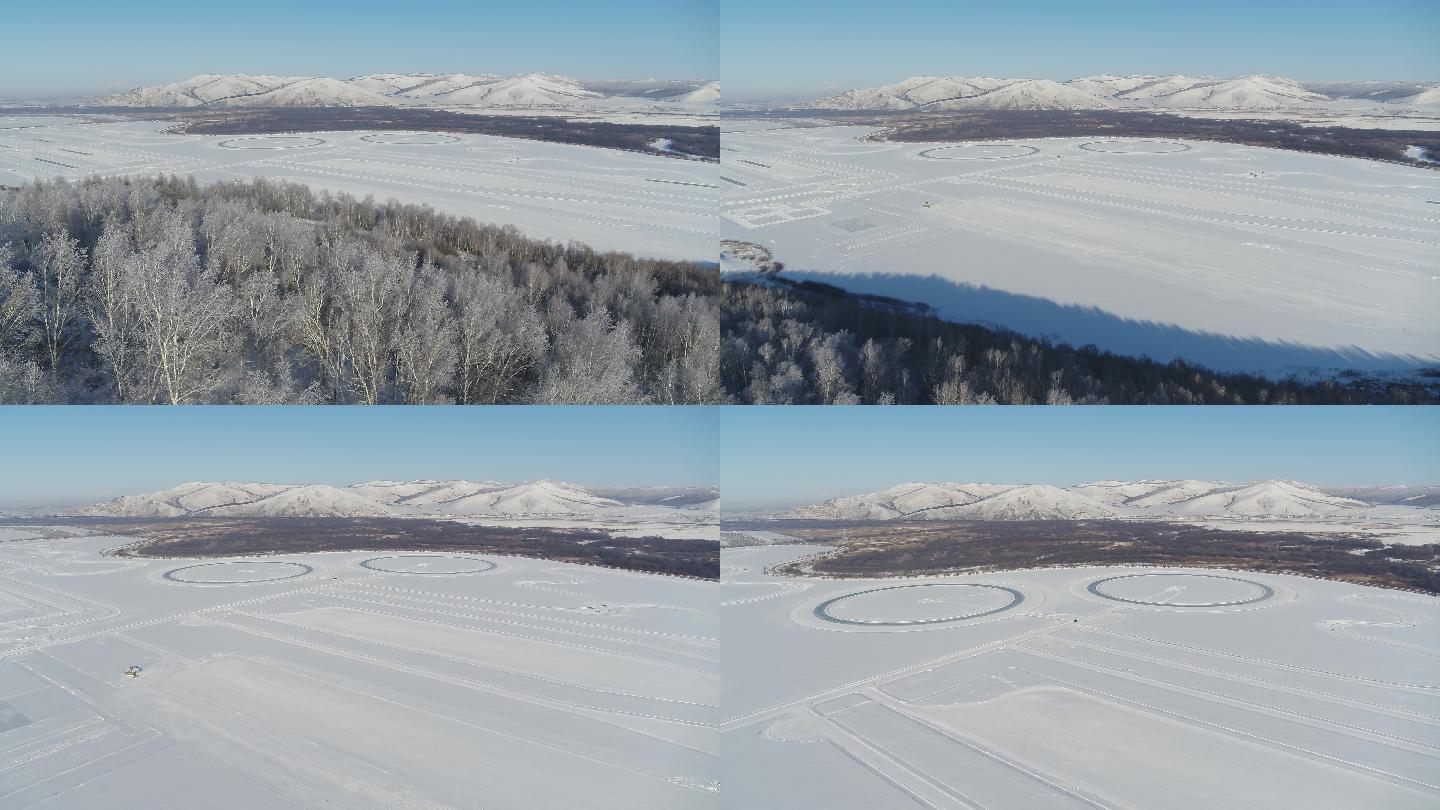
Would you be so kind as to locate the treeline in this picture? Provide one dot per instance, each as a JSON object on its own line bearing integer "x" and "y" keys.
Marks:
{"x": 696, "y": 142}
{"x": 158, "y": 290}
{"x": 1372, "y": 144}
{"x": 814, "y": 344}
{"x": 910, "y": 549}
{"x": 252, "y": 537}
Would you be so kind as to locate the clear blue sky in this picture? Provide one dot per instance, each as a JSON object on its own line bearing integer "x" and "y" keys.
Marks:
{"x": 782, "y": 456}
{"x": 55, "y": 47}
{"x": 801, "y": 47}
{"x": 77, "y": 454}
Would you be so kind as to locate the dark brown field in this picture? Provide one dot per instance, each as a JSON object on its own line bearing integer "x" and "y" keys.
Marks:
{"x": 881, "y": 549}
{"x": 230, "y": 537}
{"x": 691, "y": 143}
{"x": 984, "y": 125}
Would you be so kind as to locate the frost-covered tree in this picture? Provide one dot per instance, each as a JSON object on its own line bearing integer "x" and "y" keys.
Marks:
{"x": 59, "y": 263}
{"x": 185, "y": 316}
{"x": 19, "y": 306}
{"x": 501, "y": 340}
{"x": 261, "y": 291}
{"x": 594, "y": 363}
{"x": 426, "y": 350}
{"x": 112, "y": 308}
{"x": 371, "y": 297}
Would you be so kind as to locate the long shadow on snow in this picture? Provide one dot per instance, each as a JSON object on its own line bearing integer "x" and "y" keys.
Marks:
{"x": 1079, "y": 325}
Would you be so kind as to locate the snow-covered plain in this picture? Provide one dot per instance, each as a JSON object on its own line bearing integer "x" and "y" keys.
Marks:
{"x": 1084, "y": 687}
{"x": 351, "y": 680}
{"x": 1235, "y": 257}
{"x": 608, "y": 199}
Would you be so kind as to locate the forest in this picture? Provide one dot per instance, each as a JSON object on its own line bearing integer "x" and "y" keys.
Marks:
{"x": 787, "y": 342}
{"x": 230, "y": 537}
{"x": 702, "y": 143}
{"x": 160, "y": 290}
{"x": 884, "y": 549}
{"x": 982, "y": 125}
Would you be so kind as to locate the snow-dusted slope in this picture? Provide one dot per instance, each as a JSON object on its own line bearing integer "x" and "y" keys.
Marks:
{"x": 1098, "y": 92}
{"x": 320, "y": 92}
{"x": 1424, "y": 98}
{"x": 708, "y": 93}
{"x": 183, "y": 499}
{"x": 390, "y": 89}
{"x": 313, "y": 500}
{"x": 1247, "y": 93}
{"x": 517, "y": 91}
{"x": 1146, "y": 493}
{"x": 675, "y": 497}
{"x": 918, "y": 92}
{"x": 1112, "y": 499}
{"x": 1038, "y": 94}
{"x": 1035, "y": 502}
{"x": 208, "y": 88}
{"x": 399, "y": 498}
{"x": 1396, "y": 495}
{"x": 423, "y": 493}
{"x": 534, "y": 497}
{"x": 950, "y": 501}
{"x": 902, "y": 500}
{"x": 1267, "y": 499}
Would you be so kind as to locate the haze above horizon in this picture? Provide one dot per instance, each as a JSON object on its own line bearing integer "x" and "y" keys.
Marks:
{"x": 63, "y": 461}
{"x": 779, "y": 457}
{"x": 807, "y": 48}
{"x": 91, "y": 47}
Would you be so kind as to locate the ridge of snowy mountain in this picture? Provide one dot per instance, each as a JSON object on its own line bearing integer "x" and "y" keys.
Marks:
{"x": 1110, "y": 499}
{"x": 392, "y": 89}
{"x": 1114, "y": 92}
{"x": 398, "y": 498}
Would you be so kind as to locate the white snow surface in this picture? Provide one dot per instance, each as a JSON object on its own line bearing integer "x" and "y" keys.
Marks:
{"x": 649, "y": 205}
{"x": 1233, "y": 257}
{"x": 1321, "y": 695}
{"x": 360, "y": 681}
{"x": 1265, "y": 500}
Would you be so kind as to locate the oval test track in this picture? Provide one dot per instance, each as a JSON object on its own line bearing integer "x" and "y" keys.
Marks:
{"x": 486, "y": 565}
{"x": 171, "y": 574}
{"x": 822, "y": 610}
{"x": 1266, "y": 591}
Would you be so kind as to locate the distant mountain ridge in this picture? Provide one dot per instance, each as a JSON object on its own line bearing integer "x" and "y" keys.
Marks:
{"x": 398, "y": 499}
{"x": 1115, "y": 499}
{"x": 1136, "y": 92}
{"x": 411, "y": 89}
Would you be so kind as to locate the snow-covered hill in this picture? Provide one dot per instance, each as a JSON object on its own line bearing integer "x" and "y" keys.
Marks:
{"x": 1262, "y": 500}
{"x": 403, "y": 498}
{"x": 708, "y": 93}
{"x": 1111, "y": 92}
{"x": 421, "y": 89}
{"x": 1395, "y": 495}
{"x": 1429, "y": 97}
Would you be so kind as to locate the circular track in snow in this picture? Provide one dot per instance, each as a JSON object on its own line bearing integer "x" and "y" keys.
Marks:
{"x": 238, "y": 572}
{"x": 1163, "y": 590}
{"x": 427, "y": 564}
{"x": 411, "y": 138}
{"x": 913, "y": 605}
{"x": 979, "y": 151}
{"x": 1136, "y": 147}
{"x": 272, "y": 142}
